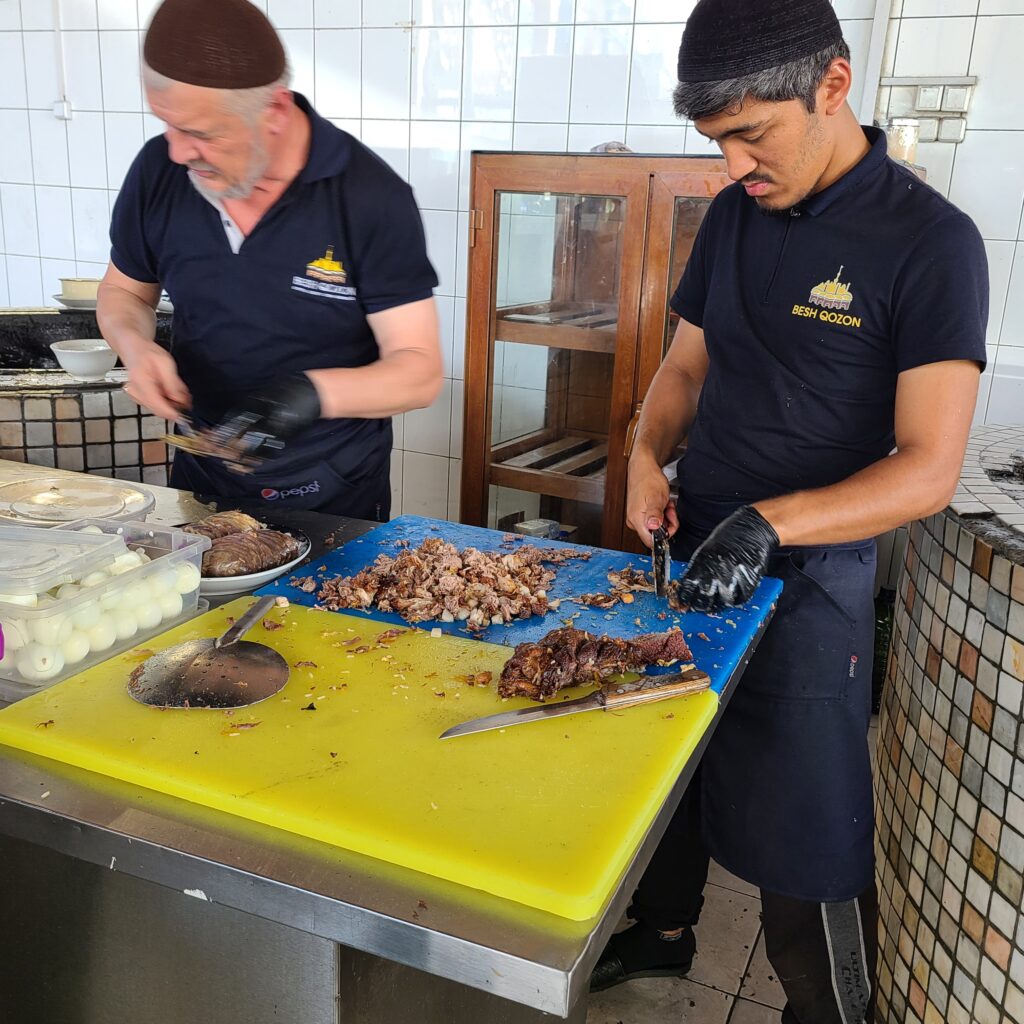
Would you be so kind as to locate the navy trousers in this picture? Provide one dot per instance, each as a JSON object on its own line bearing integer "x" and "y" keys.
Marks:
{"x": 783, "y": 795}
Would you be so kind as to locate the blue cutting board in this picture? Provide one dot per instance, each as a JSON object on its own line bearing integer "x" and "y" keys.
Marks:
{"x": 718, "y": 642}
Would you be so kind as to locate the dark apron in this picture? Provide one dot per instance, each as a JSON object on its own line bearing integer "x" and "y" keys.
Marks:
{"x": 308, "y": 477}
{"x": 786, "y": 779}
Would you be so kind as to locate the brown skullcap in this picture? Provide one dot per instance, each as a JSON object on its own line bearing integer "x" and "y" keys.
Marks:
{"x": 220, "y": 44}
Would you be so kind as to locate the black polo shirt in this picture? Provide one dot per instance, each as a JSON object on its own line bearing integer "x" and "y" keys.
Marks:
{"x": 809, "y": 318}
{"x": 344, "y": 241}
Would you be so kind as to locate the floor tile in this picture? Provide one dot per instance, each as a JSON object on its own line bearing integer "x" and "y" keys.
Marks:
{"x": 746, "y": 1012}
{"x": 660, "y": 1001}
{"x": 760, "y": 983}
{"x": 726, "y": 934}
{"x": 717, "y": 875}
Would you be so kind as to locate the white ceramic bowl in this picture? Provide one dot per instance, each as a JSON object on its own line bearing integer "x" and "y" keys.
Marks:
{"x": 86, "y": 359}
{"x": 79, "y": 287}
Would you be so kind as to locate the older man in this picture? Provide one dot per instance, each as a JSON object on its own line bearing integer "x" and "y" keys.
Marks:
{"x": 295, "y": 258}
{"x": 824, "y": 374}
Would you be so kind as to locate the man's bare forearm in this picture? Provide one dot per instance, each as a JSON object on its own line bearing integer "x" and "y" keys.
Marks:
{"x": 668, "y": 413}
{"x": 125, "y": 320}
{"x": 399, "y": 382}
{"x": 905, "y": 486}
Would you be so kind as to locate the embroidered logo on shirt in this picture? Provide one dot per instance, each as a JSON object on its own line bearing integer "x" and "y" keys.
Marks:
{"x": 832, "y": 294}
{"x": 829, "y": 302}
{"x": 326, "y": 277}
{"x": 327, "y": 268}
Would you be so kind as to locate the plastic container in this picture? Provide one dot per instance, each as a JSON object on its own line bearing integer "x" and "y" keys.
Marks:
{"x": 144, "y": 581}
{"x": 57, "y": 501}
{"x": 33, "y": 562}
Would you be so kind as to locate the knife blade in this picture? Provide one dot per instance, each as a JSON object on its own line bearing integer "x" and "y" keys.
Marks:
{"x": 661, "y": 561}
{"x": 611, "y": 697}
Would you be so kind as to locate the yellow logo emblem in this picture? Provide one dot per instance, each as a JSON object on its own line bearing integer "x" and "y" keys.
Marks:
{"x": 832, "y": 294}
{"x": 327, "y": 268}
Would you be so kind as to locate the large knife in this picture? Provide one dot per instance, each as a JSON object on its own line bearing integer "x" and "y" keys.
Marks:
{"x": 661, "y": 562}
{"x": 610, "y": 697}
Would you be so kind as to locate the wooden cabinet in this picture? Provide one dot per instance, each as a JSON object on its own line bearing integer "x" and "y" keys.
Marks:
{"x": 572, "y": 262}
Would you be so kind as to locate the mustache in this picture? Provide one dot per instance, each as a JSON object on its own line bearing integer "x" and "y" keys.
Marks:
{"x": 201, "y": 165}
{"x": 757, "y": 179}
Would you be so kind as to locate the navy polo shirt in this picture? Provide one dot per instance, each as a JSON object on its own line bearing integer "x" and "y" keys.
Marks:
{"x": 809, "y": 317}
{"x": 344, "y": 241}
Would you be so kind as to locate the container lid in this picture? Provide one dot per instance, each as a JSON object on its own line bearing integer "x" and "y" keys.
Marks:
{"x": 32, "y": 560}
{"x": 48, "y": 500}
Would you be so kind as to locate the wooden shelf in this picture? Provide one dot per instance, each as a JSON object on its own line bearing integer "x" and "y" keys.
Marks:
{"x": 568, "y": 467}
{"x": 580, "y": 326}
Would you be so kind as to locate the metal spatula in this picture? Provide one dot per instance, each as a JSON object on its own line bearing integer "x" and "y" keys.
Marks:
{"x": 226, "y": 672}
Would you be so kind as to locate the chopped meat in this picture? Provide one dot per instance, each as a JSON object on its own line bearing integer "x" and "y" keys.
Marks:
{"x": 220, "y": 524}
{"x": 630, "y": 579}
{"x": 598, "y": 600}
{"x": 239, "y": 554}
{"x": 438, "y": 581}
{"x": 573, "y": 657}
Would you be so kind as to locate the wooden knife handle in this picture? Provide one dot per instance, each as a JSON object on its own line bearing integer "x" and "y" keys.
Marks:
{"x": 629, "y": 694}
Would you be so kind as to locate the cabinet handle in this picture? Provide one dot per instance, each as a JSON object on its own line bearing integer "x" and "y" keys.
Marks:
{"x": 631, "y": 430}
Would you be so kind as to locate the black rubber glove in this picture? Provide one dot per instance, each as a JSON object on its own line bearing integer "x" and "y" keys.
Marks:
{"x": 265, "y": 421}
{"x": 726, "y": 569}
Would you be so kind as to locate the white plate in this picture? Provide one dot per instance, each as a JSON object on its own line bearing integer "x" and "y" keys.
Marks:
{"x": 164, "y": 306}
{"x": 76, "y": 303}
{"x": 222, "y": 586}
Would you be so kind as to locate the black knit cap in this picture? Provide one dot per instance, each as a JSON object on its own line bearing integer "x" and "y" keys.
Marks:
{"x": 220, "y": 44}
{"x": 727, "y": 39}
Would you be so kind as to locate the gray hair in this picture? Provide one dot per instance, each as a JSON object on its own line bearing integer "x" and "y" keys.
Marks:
{"x": 797, "y": 80}
{"x": 246, "y": 103}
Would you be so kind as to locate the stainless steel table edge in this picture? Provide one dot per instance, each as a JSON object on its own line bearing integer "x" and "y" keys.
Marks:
{"x": 579, "y": 976}
{"x": 552, "y": 987}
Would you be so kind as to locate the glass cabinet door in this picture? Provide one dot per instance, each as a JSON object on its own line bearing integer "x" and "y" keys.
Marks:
{"x": 556, "y": 294}
{"x": 686, "y": 219}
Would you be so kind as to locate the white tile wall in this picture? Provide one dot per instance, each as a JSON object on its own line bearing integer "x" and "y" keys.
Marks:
{"x": 985, "y": 174}
{"x": 424, "y": 82}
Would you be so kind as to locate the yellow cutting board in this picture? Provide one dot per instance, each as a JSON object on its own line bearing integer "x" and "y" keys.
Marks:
{"x": 548, "y": 814}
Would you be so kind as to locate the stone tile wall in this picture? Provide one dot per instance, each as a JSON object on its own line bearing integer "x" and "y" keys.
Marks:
{"x": 950, "y": 789}
{"x": 83, "y": 427}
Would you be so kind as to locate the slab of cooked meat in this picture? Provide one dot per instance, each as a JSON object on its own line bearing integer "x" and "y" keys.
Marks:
{"x": 220, "y": 524}
{"x": 573, "y": 657}
{"x": 238, "y": 554}
{"x": 439, "y": 581}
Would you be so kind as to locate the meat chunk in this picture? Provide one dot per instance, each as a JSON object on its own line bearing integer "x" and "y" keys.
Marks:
{"x": 573, "y": 657}
{"x": 239, "y": 554}
{"x": 220, "y": 524}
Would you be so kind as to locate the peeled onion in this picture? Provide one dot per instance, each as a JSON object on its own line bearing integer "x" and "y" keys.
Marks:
{"x": 51, "y": 630}
{"x": 91, "y": 529}
{"x": 135, "y": 596}
{"x": 39, "y": 662}
{"x": 85, "y": 616}
{"x": 148, "y": 614}
{"x": 75, "y": 648}
{"x": 124, "y": 563}
{"x": 103, "y": 634}
{"x": 25, "y": 600}
{"x": 94, "y": 579}
{"x": 126, "y": 624}
{"x": 170, "y": 605}
{"x": 164, "y": 582}
{"x": 16, "y": 634}
{"x": 188, "y": 577}
{"x": 67, "y": 590}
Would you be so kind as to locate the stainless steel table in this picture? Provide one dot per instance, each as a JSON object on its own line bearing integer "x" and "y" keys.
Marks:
{"x": 123, "y": 906}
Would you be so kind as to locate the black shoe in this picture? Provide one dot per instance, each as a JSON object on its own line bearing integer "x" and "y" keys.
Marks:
{"x": 641, "y": 952}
